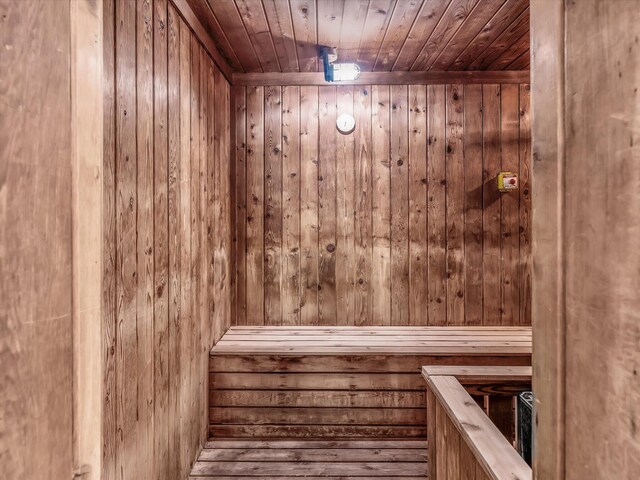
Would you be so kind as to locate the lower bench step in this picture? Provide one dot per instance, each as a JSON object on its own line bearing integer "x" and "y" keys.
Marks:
{"x": 309, "y": 459}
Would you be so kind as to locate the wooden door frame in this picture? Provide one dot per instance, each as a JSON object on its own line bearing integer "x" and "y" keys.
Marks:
{"x": 548, "y": 321}
{"x": 87, "y": 214}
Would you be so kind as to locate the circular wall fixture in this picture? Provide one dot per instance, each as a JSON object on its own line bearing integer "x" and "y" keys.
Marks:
{"x": 346, "y": 123}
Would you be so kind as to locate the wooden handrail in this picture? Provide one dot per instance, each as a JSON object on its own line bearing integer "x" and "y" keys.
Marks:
{"x": 451, "y": 409}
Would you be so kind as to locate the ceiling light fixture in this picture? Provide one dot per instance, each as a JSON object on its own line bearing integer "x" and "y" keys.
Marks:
{"x": 337, "y": 72}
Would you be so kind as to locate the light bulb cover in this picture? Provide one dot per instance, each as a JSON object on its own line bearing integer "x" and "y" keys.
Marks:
{"x": 337, "y": 72}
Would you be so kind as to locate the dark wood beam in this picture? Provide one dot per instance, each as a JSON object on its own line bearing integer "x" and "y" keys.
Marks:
{"x": 385, "y": 78}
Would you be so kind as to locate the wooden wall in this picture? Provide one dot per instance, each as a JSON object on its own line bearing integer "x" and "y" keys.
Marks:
{"x": 586, "y": 318}
{"x": 399, "y": 223}
{"x": 167, "y": 237}
{"x": 36, "y": 351}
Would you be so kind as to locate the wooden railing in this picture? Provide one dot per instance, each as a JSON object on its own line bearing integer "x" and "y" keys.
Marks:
{"x": 464, "y": 443}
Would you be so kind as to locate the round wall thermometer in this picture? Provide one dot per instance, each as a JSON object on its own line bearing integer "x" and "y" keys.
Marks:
{"x": 346, "y": 123}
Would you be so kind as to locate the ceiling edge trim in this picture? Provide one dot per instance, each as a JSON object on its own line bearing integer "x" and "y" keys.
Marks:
{"x": 384, "y": 78}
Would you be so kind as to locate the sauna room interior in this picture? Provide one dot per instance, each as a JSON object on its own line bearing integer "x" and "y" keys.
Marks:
{"x": 320, "y": 239}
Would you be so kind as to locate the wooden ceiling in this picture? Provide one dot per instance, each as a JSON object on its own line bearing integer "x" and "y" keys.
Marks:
{"x": 380, "y": 35}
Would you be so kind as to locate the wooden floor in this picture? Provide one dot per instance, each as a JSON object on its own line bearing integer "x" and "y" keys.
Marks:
{"x": 288, "y": 459}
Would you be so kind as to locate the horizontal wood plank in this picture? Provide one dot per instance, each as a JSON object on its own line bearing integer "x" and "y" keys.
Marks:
{"x": 317, "y": 416}
{"x": 313, "y": 455}
{"x": 385, "y": 78}
{"x": 318, "y": 431}
{"x": 317, "y": 381}
{"x": 393, "y": 362}
{"x": 316, "y": 398}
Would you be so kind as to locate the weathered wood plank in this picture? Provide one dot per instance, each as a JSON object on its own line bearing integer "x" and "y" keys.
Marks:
{"x": 492, "y": 210}
{"x": 160, "y": 238}
{"x": 327, "y": 306}
{"x": 381, "y": 206}
{"x": 309, "y": 221}
{"x": 455, "y": 253}
{"x": 510, "y": 219}
{"x": 473, "y": 205}
{"x": 272, "y": 205}
{"x": 418, "y": 191}
{"x": 362, "y": 300}
{"x": 437, "y": 181}
{"x": 255, "y": 205}
{"x": 291, "y": 163}
{"x": 345, "y": 218}
{"x": 399, "y": 205}
{"x": 174, "y": 242}
{"x": 126, "y": 271}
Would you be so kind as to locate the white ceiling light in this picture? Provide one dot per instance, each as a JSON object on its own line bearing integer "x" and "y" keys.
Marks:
{"x": 337, "y": 72}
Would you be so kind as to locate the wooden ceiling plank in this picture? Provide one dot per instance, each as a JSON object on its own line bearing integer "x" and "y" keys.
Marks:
{"x": 330, "y": 22}
{"x": 203, "y": 12}
{"x": 384, "y": 78}
{"x": 509, "y": 12}
{"x": 228, "y": 17}
{"x": 483, "y": 12}
{"x": 517, "y": 29}
{"x": 402, "y": 21}
{"x": 278, "y": 15}
{"x": 353, "y": 19}
{"x": 303, "y": 15}
{"x": 521, "y": 62}
{"x": 450, "y": 23}
{"x": 514, "y": 51}
{"x": 257, "y": 27}
{"x": 427, "y": 20}
{"x": 375, "y": 25}
{"x": 203, "y": 36}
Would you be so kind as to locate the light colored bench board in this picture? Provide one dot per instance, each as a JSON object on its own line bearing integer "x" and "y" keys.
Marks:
{"x": 341, "y": 381}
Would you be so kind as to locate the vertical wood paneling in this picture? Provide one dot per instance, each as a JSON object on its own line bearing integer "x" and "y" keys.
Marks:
{"x": 491, "y": 205}
{"x": 146, "y": 296}
{"x": 418, "y": 205}
{"x": 437, "y": 181}
{"x": 174, "y": 333}
{"x": 363, "y": 207}
{"x": 345, "y": 207}
{"x": 239, "y": 144}
{"x": 273, "y": 205}
{"x": 109, "y": 252}
{"x": 327, "y": 206}
{"x": 186, "y": 310}
{"x": 195, "y": 234}
{"x": 381, "y": 206}
{"x": 309, "y": 253}
{"x": 291, "y": 206}
{"x": 160, "y": 241}
{"x": 524, "y": 142}
{"x": 473, "y": 204}
{"x": 510, "y": 218}
{"x": 202, "y": 333}
{"x": 391, "y": 220}
{"x": 399, "y": 205}
{"x": 126, "y": 270}
{"x": 455, "y": 205}
{"x": 255, "y": 205}
{"x": 168, "y": 287}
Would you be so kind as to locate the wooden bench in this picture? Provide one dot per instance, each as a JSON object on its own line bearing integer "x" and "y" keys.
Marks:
{"x": 464, "y": 443}
{"x": 341, "y": 382}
